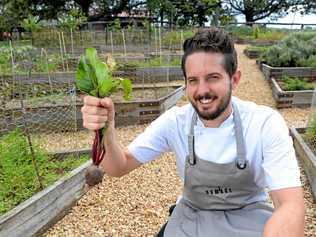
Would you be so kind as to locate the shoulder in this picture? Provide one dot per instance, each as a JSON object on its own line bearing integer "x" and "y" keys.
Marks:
{"x": 177, "y": 114}
{"x": 259, "y": 114}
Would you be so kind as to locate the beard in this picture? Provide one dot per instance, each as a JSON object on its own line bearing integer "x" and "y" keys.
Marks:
{"x": 223, "y": 104}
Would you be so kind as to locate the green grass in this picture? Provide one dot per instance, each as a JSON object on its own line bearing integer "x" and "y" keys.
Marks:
{"x": 18, "y": 180}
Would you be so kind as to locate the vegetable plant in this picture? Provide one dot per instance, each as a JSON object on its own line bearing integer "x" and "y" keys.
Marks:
{"x": 296, "y": 84}
{"x": 94, "y": 77}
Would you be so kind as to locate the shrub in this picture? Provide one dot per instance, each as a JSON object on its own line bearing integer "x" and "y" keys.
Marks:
{"x": 295, "y": 50}
{"x": 296, "y": 84}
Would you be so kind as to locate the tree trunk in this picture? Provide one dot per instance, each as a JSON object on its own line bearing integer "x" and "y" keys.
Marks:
{"x": 249, "y": 18}
{"x": 161, "y": 18}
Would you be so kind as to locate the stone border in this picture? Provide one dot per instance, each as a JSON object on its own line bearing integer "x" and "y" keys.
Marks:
{"x": 38, "y": 213}
{"x": 276, "y": 72}
{"x": 306, "y": 156}
{"x": 288, "y": 99}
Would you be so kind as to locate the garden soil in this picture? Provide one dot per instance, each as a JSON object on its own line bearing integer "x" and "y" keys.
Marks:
{"x": 137, "y": 204}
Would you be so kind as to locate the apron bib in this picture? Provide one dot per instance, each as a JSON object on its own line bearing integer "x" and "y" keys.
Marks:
{"x": 216, "y": 196}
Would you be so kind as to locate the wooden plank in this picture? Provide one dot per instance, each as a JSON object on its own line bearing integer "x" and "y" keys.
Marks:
{"x": 38, "y": 213}
{"x": 290, "y": 98}
{"x": 307, "y": 158}
{"x": 172, "y": 100}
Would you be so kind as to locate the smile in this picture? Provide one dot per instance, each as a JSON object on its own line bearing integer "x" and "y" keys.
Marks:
{"x": 206, "y": 101}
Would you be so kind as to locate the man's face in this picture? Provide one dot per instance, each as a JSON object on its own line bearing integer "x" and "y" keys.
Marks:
{"x": 208, "y": 86}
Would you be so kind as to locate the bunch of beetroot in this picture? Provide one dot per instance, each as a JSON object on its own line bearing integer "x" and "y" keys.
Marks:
{"x": 94, "y": 78}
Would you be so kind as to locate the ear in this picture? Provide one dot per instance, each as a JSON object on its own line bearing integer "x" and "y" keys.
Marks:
{"x": 235, "y": 79}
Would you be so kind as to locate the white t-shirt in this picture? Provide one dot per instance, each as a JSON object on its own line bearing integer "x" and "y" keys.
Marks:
{"x": 269, "y": 147}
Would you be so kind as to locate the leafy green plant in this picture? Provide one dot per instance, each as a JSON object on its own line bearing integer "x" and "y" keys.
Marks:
{"x": 255, "y": 32}
{"x": 71, "y": 20}
{"x": 18, "y": 180}
{"x": 296, "y": 84}
{"x": 31, "y": 23}
{"x": 295, "y": 50}
{"x": 94, "y": 77}
{"x": 174, "y": 37}
{"x": 311, "y": 129}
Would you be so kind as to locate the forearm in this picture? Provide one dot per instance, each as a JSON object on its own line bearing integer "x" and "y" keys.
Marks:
{"x": 287, "y": 220}
{"x": 114, "y": 160}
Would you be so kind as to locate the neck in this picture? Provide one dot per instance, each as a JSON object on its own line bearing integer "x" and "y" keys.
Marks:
{"x": 215, "y": 123}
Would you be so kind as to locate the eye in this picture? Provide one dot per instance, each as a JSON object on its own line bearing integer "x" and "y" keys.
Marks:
{"x": 212, "y": 78}
{"x": 192, "y": 81}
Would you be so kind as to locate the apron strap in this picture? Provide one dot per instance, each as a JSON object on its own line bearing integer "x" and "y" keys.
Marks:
{"x": 241, "y": 161}
{"x": 192, "y": 159}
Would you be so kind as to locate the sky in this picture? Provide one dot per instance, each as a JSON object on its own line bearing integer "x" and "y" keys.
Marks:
{"x": 290, "y": 18}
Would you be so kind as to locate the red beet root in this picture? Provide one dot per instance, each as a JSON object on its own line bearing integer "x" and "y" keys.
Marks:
{"x": 94, "y": 175}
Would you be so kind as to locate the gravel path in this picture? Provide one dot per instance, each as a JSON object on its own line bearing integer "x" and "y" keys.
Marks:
{"x": 137, "y": 204}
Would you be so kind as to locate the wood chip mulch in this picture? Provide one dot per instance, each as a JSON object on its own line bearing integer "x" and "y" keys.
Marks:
{"x": 137, "y": 204}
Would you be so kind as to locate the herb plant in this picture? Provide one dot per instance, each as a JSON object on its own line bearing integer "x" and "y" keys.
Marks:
{"x": 296, "y": 84}
{"x": 94, "y": 78}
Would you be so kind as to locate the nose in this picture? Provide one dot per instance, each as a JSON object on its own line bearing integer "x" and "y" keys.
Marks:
{"x": 203, "y": 87}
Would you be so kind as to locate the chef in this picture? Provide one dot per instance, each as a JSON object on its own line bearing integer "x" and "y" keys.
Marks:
{"x": 229, "y": 152}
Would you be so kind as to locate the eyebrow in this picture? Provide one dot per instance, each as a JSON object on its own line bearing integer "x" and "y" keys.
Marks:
{"x": 207, "y": 75}
{"x": 213, "y": 74}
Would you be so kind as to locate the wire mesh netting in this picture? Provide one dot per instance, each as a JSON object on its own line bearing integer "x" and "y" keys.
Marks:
{"x": 37, "y": 88}
{"x": 35, "y": 103}
{"x": 41, "y": 130}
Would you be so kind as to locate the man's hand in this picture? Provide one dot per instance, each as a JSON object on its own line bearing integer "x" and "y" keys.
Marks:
{"x": 96, "y": 112}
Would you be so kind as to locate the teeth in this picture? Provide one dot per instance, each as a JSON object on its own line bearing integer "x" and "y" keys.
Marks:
{"x": 205, "y": 101}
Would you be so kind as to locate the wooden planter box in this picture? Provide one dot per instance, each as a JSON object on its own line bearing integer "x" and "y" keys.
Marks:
{"x": 306, "y": 156}
{"x": 66, "y": 116}
{"x": 288, "y": 99}
{"x": 278, "y": 72}
{"x": 252, "y": 53}
{"x": 37, "y": 214}
{"x": 255, "y": 42}
{"x": 57, "y": 79}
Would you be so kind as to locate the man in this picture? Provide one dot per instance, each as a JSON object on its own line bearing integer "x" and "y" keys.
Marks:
{"x": 228, "y": 151}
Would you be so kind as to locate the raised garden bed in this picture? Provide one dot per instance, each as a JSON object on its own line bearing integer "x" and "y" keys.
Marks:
{"x": 277, "y": 72}
{"x": 63, "y": 114}
{"x": 146, "y": 74}
{"x": 252, "y": 53}
{"x": 38, "y": 213}
{"x": 288, "y": 99}
{"x": 255, "y": 42}
{"x": 306, "y": 156}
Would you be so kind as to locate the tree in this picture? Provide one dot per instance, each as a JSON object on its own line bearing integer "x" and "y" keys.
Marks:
{"x": 184, "y": 12}
{"x": 308, "y": 7}
{"x": 71, "y": 20}
{"x": 31, "y": 24}
{"x": 195, "y": 12}
{"x": 255, "y": 10}
{"x": 12, "y": 13}
{"x": 162, "y": 8}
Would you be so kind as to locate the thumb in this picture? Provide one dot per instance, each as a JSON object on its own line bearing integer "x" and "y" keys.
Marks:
{"x": 108, "y": 104}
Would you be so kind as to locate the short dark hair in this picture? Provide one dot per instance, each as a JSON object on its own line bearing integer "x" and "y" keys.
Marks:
{"x": 211, "y": 40}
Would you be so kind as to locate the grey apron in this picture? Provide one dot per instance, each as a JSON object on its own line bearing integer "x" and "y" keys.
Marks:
{"x": 216, "y": 197}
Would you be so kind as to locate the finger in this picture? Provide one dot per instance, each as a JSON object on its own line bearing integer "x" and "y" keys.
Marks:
{"x": 107, "y": 103}
{"x": 93, "y": 126}
{"x": 95, "y": 118}
{"x": 94, "y": 110}
{"x": 91, "y": 101}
